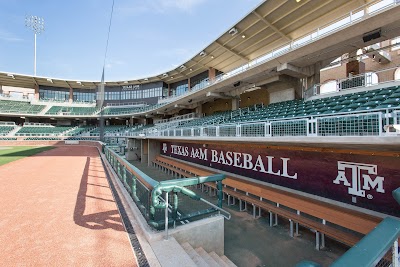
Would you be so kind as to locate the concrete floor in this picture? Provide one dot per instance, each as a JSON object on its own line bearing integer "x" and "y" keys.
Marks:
{"x": 252, "y": 242}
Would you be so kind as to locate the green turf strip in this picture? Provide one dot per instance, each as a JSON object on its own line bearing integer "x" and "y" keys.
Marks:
{"x": 8, "y": 154}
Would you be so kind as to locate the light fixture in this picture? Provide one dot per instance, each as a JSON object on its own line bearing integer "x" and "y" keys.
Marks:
{"x": 191, "y": 69}
{"x": 182, "y": 67}
{"x": 212, "y": 57}
{"x": 125, "y": 81}
{"x": 298, "y": 1}
{"x": 11, "y": 75}
{"x": 36, "y": 24}
{"x": 243, "y": 36}
{"x": 146, "y": 79}
{"x": 202, "y": 54}
{"x": 78, "y": 82}
{"x": 233, "y": 31}
{"x": 165, "y": 75}
{"x": 49, "y": 80}
{"x": 172, "y": 77}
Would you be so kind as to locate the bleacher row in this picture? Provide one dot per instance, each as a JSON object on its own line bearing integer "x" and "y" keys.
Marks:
{"x": 374, "y": 100}
{"x": 21, "y": 107}
{"x": 63, "y": 110}
{"x": 63, "y": 131}
{"x": 4, "y": 130}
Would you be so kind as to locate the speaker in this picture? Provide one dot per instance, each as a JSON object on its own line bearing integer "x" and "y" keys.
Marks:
{"x": 236, "y": 84}
{"x": 375, "y": 34}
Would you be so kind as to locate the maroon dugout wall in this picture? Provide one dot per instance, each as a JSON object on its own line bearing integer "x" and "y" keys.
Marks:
{"x": 361, "y": 178}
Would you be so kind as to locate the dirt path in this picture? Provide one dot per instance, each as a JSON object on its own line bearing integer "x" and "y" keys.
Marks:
{"x": 56, "y": 209}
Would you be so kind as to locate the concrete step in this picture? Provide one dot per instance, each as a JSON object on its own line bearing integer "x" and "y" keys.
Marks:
{"x": 198, "y": 260}
{"x": 208, "y": 259}
{"x": 171, "y": 254}
{"x": 218, "y": 259}
{"x": 228, "y": 261}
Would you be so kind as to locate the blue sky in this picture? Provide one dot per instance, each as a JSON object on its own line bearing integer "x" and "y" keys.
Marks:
{"x": 148, "y": 37}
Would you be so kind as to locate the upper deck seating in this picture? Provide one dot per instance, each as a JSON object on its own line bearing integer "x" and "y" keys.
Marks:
{"x": 217, "y": 118}
{"x": 19, "y": 107}
{"x": 374, "y": 100}
{"x": 121, "y": 110}
{"x": 4, "y": 130}
{"x": 108, "y": 129}
{"x": 32, "y": 130}
{"x": 63, "y": 110}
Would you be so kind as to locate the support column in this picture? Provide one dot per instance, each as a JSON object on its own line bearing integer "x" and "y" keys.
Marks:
{"x": 189, "y": 85}
{"x": 36, "y": 91}
{"x": 323, "y": 236}
{"x": 316, "y": 77}
{"x": 291, "y": 228}
{"x": 211, "y": 74}
{"x": 71, "y": 95}
{"x": 144, "y": 151}
{"x": 235, "y": 103}
{"x": 271, "y": 219}
{"x": 153, "y": 150}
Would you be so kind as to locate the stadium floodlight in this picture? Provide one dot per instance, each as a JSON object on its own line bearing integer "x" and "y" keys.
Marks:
{"x": 36, "y": 24}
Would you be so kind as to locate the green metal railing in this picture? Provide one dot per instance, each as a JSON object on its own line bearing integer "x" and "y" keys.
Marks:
{"x": 147, "y": 193}
{"x": 378, "y": 248}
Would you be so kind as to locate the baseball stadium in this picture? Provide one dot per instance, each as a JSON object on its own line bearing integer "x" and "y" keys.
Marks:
{"x": 277, "y": 144}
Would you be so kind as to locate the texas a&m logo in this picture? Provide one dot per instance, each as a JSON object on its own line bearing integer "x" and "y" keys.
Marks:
{"x": 363, "y": 177}
{"x": 164, "y": 148}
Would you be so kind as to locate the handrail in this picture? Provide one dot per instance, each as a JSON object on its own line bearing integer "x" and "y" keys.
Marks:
{"x": 217, "y": 208}
{"x": 144, "y": 178}
{"x": 373, "y": 246}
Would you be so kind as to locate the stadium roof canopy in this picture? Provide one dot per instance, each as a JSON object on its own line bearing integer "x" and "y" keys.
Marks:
{"x": 271, "y": 25}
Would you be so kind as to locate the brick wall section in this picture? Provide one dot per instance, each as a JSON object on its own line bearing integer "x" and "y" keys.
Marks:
{"x": 370, "y": 65}
{"x": 211, "y": 107}
{"x": 254, "y": 97}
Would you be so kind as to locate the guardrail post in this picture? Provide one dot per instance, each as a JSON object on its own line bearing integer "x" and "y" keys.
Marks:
{"x": 174, "y": 132}
{"x": 166, "y": 216}
{"x": 217, "y": 131}
{"x": 175, "y": 207}
{"x": 380, "y": 124}
{"x": 267, "y": 126}
{"x": 238, "y": 130}
{"x": 124, "y": 175}
{"x": 219, "y": 193}
{"x": 311, "y": 127}
{"x": 191, "y": 132}
{"x": 395, "y": 254}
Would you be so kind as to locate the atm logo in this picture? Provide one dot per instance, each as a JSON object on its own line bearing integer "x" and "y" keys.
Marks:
{"x": 363, "y": 178}
{"x": 164, "y": 148}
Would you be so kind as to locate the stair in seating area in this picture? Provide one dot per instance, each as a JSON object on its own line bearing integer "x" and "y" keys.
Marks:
{"x": 204, "y": 259}
{"x": 46, "y": 108}
{"x": 13, "y": 131}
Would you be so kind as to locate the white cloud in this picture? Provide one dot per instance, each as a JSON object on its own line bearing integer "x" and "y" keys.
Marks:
{"x": 184, "y": 5}
{"x": 110, "y": 63}
{"x": 157, "y": 6}
{"x": 9, "y": 37}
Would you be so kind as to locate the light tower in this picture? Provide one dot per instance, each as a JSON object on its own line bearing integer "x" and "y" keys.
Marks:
{"x": 36, "y": 24}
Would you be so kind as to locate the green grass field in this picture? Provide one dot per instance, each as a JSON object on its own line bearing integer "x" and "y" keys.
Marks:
{"x": 8, "y": 154}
